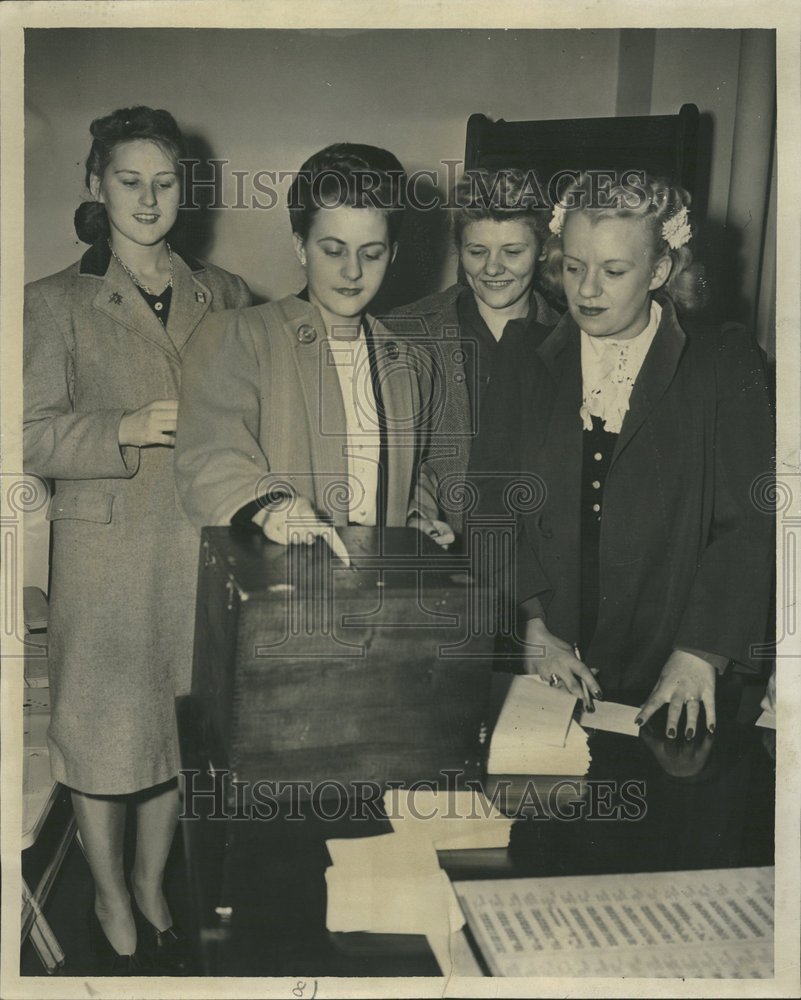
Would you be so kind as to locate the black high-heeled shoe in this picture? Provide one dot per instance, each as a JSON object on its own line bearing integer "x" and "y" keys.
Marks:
{"x": 167, "y": 951}
{"x": 108, "y": 961}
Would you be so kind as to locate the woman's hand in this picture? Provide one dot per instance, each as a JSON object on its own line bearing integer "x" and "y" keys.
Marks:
{"x": 440, "y": 531}
{"x": 686, "y": 680}
{"x": 297, "y": 523}
{"x": 556, "y": 662}
{"x": 151, "y": 424}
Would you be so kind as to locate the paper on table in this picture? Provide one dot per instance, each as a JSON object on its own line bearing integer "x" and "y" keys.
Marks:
{"x": 611, "y": 717}
{"x": 526, "y": 755}
{"x": 414, "y": 904}
{"x": 389, "y": 885}
{"x": 450, "y": 820}
{"x": 699, "y": 924}
{"x": 454, "y": 955}
{"x": 767, "y": 720}
{"x": 532, "y": 705}
{"x": 383, "y": 856}
{"x": 533, "y": 734}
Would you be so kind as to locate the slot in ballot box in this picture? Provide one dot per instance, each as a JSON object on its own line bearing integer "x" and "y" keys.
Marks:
{"x": 306, "y": 670}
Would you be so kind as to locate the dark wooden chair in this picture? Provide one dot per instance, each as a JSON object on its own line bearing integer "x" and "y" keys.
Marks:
{"x": 666, "y": 145}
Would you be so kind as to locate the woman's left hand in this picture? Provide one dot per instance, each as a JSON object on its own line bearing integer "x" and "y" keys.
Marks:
{"x": 686, "y": 680}
{"x": 440, "y": 531}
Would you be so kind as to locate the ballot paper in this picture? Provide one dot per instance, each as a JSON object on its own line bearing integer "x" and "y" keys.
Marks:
{"x": 450, "y": 820}
{"x": 767, "y": 720}
{"x": 611, "y": 717}
{"x": 529, "y": 756}
{"x": 535, "y": 733}
{"x": 698, "y": 924}
{"x": 389, "y": 884}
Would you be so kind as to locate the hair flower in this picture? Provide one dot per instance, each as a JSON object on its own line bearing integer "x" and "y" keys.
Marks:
{"x": 557, "y": 219}
{"x": 676, "y": 230}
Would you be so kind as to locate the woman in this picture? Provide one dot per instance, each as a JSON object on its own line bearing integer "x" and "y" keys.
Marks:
{"x": 499, "y": 227}
{"x": 104, "y": 345}
{"x": 647, "y": 563}
{"x": 314, "y": 413}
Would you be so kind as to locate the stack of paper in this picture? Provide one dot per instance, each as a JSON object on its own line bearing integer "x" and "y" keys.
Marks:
{"x": 449, "y": 820}
{"x": 535, "y": 733}
{"x": 393, "y": 884}
{"x": 389, "y": 885}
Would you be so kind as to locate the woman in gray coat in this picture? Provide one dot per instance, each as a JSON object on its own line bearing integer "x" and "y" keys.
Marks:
{"x": 104, "y": 343}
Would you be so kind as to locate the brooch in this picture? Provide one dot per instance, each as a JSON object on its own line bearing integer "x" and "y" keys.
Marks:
{"x": 115, "y": 297}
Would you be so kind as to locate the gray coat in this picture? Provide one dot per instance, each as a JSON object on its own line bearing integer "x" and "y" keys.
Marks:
{"x": 124, "y": 557}
{"x": 272, "y": 418}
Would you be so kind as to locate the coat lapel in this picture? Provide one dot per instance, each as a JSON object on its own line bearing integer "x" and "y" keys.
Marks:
{"x": 655, "y": 376}
{"x": 556, "y": 449}
{"x": 400, "y": 406}
{"x": 119, "y": 299}
{"x": 303, "y": 326}
{"x": 191, "y": 300}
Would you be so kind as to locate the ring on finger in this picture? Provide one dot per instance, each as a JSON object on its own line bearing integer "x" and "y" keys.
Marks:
{"x": 554, "y": 681}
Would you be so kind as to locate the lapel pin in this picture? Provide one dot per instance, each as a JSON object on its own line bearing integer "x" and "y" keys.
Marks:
{"x": 115, "y": 297}
{"x": 200, "y": 296}
{"x": 392, "y": 350}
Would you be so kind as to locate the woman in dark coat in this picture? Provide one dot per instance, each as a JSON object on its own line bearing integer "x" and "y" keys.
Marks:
{"x": 104, "y": 342}
{"x": 646, "y": 563}
{"x": 499, "y": 228}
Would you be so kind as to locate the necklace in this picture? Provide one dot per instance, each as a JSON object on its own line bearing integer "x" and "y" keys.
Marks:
{"x": 133, "y": 277}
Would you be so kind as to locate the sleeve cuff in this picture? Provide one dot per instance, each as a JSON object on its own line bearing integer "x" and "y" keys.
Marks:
{"x": 246, "y": 514}
{"x": 532, "y": 608}
{"x": 716, "y": 660}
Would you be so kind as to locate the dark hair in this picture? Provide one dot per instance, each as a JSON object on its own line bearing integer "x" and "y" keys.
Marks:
{"x": 124, "y": 125}
{"x": 652, "y": 199}
{"x": 500, "y": 195}
{"x": 353, "y": 174}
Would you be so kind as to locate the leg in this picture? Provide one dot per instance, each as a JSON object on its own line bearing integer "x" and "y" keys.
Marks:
{"x": 156, "y": 819}
{"x": 101, "y": 822}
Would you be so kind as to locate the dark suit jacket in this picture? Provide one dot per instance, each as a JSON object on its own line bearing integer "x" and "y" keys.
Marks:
{"x": 433, "y": 322}
{"x": 686, "y": 549}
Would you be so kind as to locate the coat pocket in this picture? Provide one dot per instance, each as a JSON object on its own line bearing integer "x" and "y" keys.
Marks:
{"x": 81, "y": 505}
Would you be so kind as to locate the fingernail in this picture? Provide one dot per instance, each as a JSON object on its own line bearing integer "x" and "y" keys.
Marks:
{"x": 590, "y": 707}
{"x": 671, "y": 733}
{"x": 689, "y": 734}
{"x": 711, "y": 728}
{"x": 598, "y": 695}
{"x": 638, "y": 722}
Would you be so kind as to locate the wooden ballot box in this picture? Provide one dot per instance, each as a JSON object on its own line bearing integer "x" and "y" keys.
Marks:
{"x": 308, "y": 671}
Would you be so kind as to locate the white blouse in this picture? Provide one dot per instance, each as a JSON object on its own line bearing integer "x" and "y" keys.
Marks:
{"x": 363, "y": 448}
{"x": 609, "y": 369}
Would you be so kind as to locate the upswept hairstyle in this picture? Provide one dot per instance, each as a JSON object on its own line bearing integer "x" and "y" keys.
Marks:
{"x": 500, "y": 195}
{"x": 123, "y": 125}
{"x": 353, "y": 174}
{"x": 652, "y": 199}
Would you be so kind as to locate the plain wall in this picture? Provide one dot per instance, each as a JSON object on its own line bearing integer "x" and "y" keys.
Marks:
{"x": 266, "y": 99}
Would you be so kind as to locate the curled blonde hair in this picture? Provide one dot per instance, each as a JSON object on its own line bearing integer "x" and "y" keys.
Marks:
{"x": 637, "y": 195}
